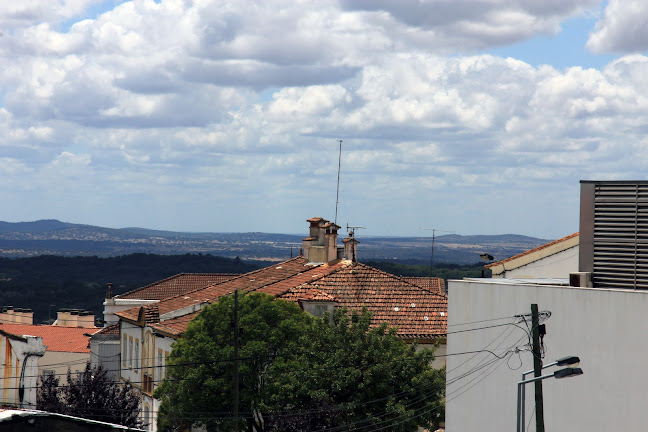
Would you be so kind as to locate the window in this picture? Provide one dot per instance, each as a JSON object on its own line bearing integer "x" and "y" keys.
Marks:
{"x": 130, "y": 352}
{"x": 146, "y": 417}
{"x": 160, "y": 365}
{"x": 137, "y": 359}
{"x": 124, "y": 351}
{"x": 148, "y": 384}
{"x": 47, "y": 372}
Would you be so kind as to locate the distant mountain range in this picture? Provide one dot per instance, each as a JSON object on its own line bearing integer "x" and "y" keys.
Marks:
{"x": 53, "y": 237}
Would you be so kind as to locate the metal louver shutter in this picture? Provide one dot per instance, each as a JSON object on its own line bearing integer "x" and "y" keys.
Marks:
{"x": 620, "y": 237}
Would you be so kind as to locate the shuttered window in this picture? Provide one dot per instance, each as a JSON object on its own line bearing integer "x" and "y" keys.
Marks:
{"x": 620, "y": 235}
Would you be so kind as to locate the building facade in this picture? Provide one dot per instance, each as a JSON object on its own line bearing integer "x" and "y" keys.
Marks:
{"x": 19, "y": 369}
{"x": 324, "y": 277}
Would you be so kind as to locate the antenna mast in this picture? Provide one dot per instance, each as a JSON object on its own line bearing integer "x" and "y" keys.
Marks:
{"x": 434, "y": 231}
{"x": 337, "y": 195}
{"x": 351, "y": 231}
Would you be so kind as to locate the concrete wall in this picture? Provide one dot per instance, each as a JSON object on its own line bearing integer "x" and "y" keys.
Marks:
{"x": 605, "y": 328}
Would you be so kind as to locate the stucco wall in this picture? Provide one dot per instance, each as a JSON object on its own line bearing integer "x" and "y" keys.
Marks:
{"x": 555, "y": 266}
{"x": 59, "y": 362}
{"x": 605, "y": 328}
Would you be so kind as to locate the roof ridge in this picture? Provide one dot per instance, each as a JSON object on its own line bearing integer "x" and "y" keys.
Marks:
{"x": 400, "y": 278}
{"x": 246, "y": 274}
{"x": 423, "y": 288}
{"x": 175, "y": 276}
{"x": 535, "y": 249}
{"x": 308, "y": 269}
{"x": 151, "y": 284}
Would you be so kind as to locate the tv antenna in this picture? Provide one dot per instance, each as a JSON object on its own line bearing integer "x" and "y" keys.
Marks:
{"x": 434, "y": 231}
{"x": 351, "y": 230}
{"x": 337, "y": 195}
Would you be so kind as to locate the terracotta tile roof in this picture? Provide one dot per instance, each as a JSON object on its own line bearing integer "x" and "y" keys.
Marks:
{"x": 434, "y": 284}
{"x": 416, "y": 311}
{"x": 110, "y": 330}
{"x": 176, "y": 285}
{"x": 316, "y": 219}
{"x": 56, "y": 338}
{"x": 316, "y": 295}
{"x": 174, "y": 326}
{"x": 413, "y": 310}
{"x": 530, "y": 251}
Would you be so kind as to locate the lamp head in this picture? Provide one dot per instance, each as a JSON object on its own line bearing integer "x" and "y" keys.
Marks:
{"x": 568, "y": 361}
{"x": 567, "y": 372}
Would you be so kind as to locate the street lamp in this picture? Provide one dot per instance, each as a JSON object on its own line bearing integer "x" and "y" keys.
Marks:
{"x": 489, "y": 257}
{"x": 571, "y": 361}
{"x": 559, "y": 374}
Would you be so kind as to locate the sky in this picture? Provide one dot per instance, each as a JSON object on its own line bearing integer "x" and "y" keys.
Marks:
{"x": 465, "y": 116}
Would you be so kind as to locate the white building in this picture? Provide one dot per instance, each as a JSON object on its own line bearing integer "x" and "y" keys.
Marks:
{"x": 602, "y": 321}
{"x": 19, "y": 369}
{"x": 553, "y": 260}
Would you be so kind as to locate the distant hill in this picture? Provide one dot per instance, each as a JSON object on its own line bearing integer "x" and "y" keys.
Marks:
{"x": 53, "y": 237}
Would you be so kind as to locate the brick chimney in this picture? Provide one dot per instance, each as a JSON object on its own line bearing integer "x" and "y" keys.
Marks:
{"x": 74, "y": 318}
{"x": 321, "y": 244}
{"x": 350, "y": 247}
{"x": 12, "y": 315}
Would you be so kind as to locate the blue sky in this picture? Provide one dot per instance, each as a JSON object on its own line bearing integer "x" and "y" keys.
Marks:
{"x": 472, "y": 116}
{"x": 562, "y": 50}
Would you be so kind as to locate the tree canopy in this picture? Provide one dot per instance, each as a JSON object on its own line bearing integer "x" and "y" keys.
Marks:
{"x": 297, "y": 372}
{"x": 92, "y": 395}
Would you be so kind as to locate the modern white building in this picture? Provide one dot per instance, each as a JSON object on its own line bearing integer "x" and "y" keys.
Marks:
{"x": 597, "y": 313}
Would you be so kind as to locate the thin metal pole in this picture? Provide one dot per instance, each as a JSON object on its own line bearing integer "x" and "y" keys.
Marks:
{"x": 523, "y": 393}
{"x": 520, "y": 407}
{"x": 236, "y": 363}
{"x": 337, "y": 195}
{"x": 520, "y": 402}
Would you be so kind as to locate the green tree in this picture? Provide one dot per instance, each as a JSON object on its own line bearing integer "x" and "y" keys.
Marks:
{"x": 92, "y": 395}
{"x": 297, "y": 372}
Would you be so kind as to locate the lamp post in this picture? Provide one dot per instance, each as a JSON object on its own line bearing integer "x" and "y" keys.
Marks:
{"x": 565, "y": 361}
{"x": 559, "y": 374}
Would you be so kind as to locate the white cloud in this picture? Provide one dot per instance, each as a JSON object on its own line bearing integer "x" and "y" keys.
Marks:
{"x": 451, "y": 25}
{"x": 216, "y": 105}
{"x": 622, "y": 28}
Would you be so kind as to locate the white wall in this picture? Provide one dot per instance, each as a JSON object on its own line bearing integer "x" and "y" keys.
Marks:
{"x": 555, "y": 266}
{"x": 133, "y": 371}
{"x": 20, "y": 358}
{"x": 130, "y": 362}
{"x": 605, "y": 328}
{"x": 59, "y": 362}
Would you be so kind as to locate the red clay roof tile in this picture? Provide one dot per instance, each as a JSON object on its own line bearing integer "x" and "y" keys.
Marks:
{"x": 176, "y": 285}
{"x": 409, "y": 307}
{"x": 434, "y": 284}
{"x": 56, "y": 338}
